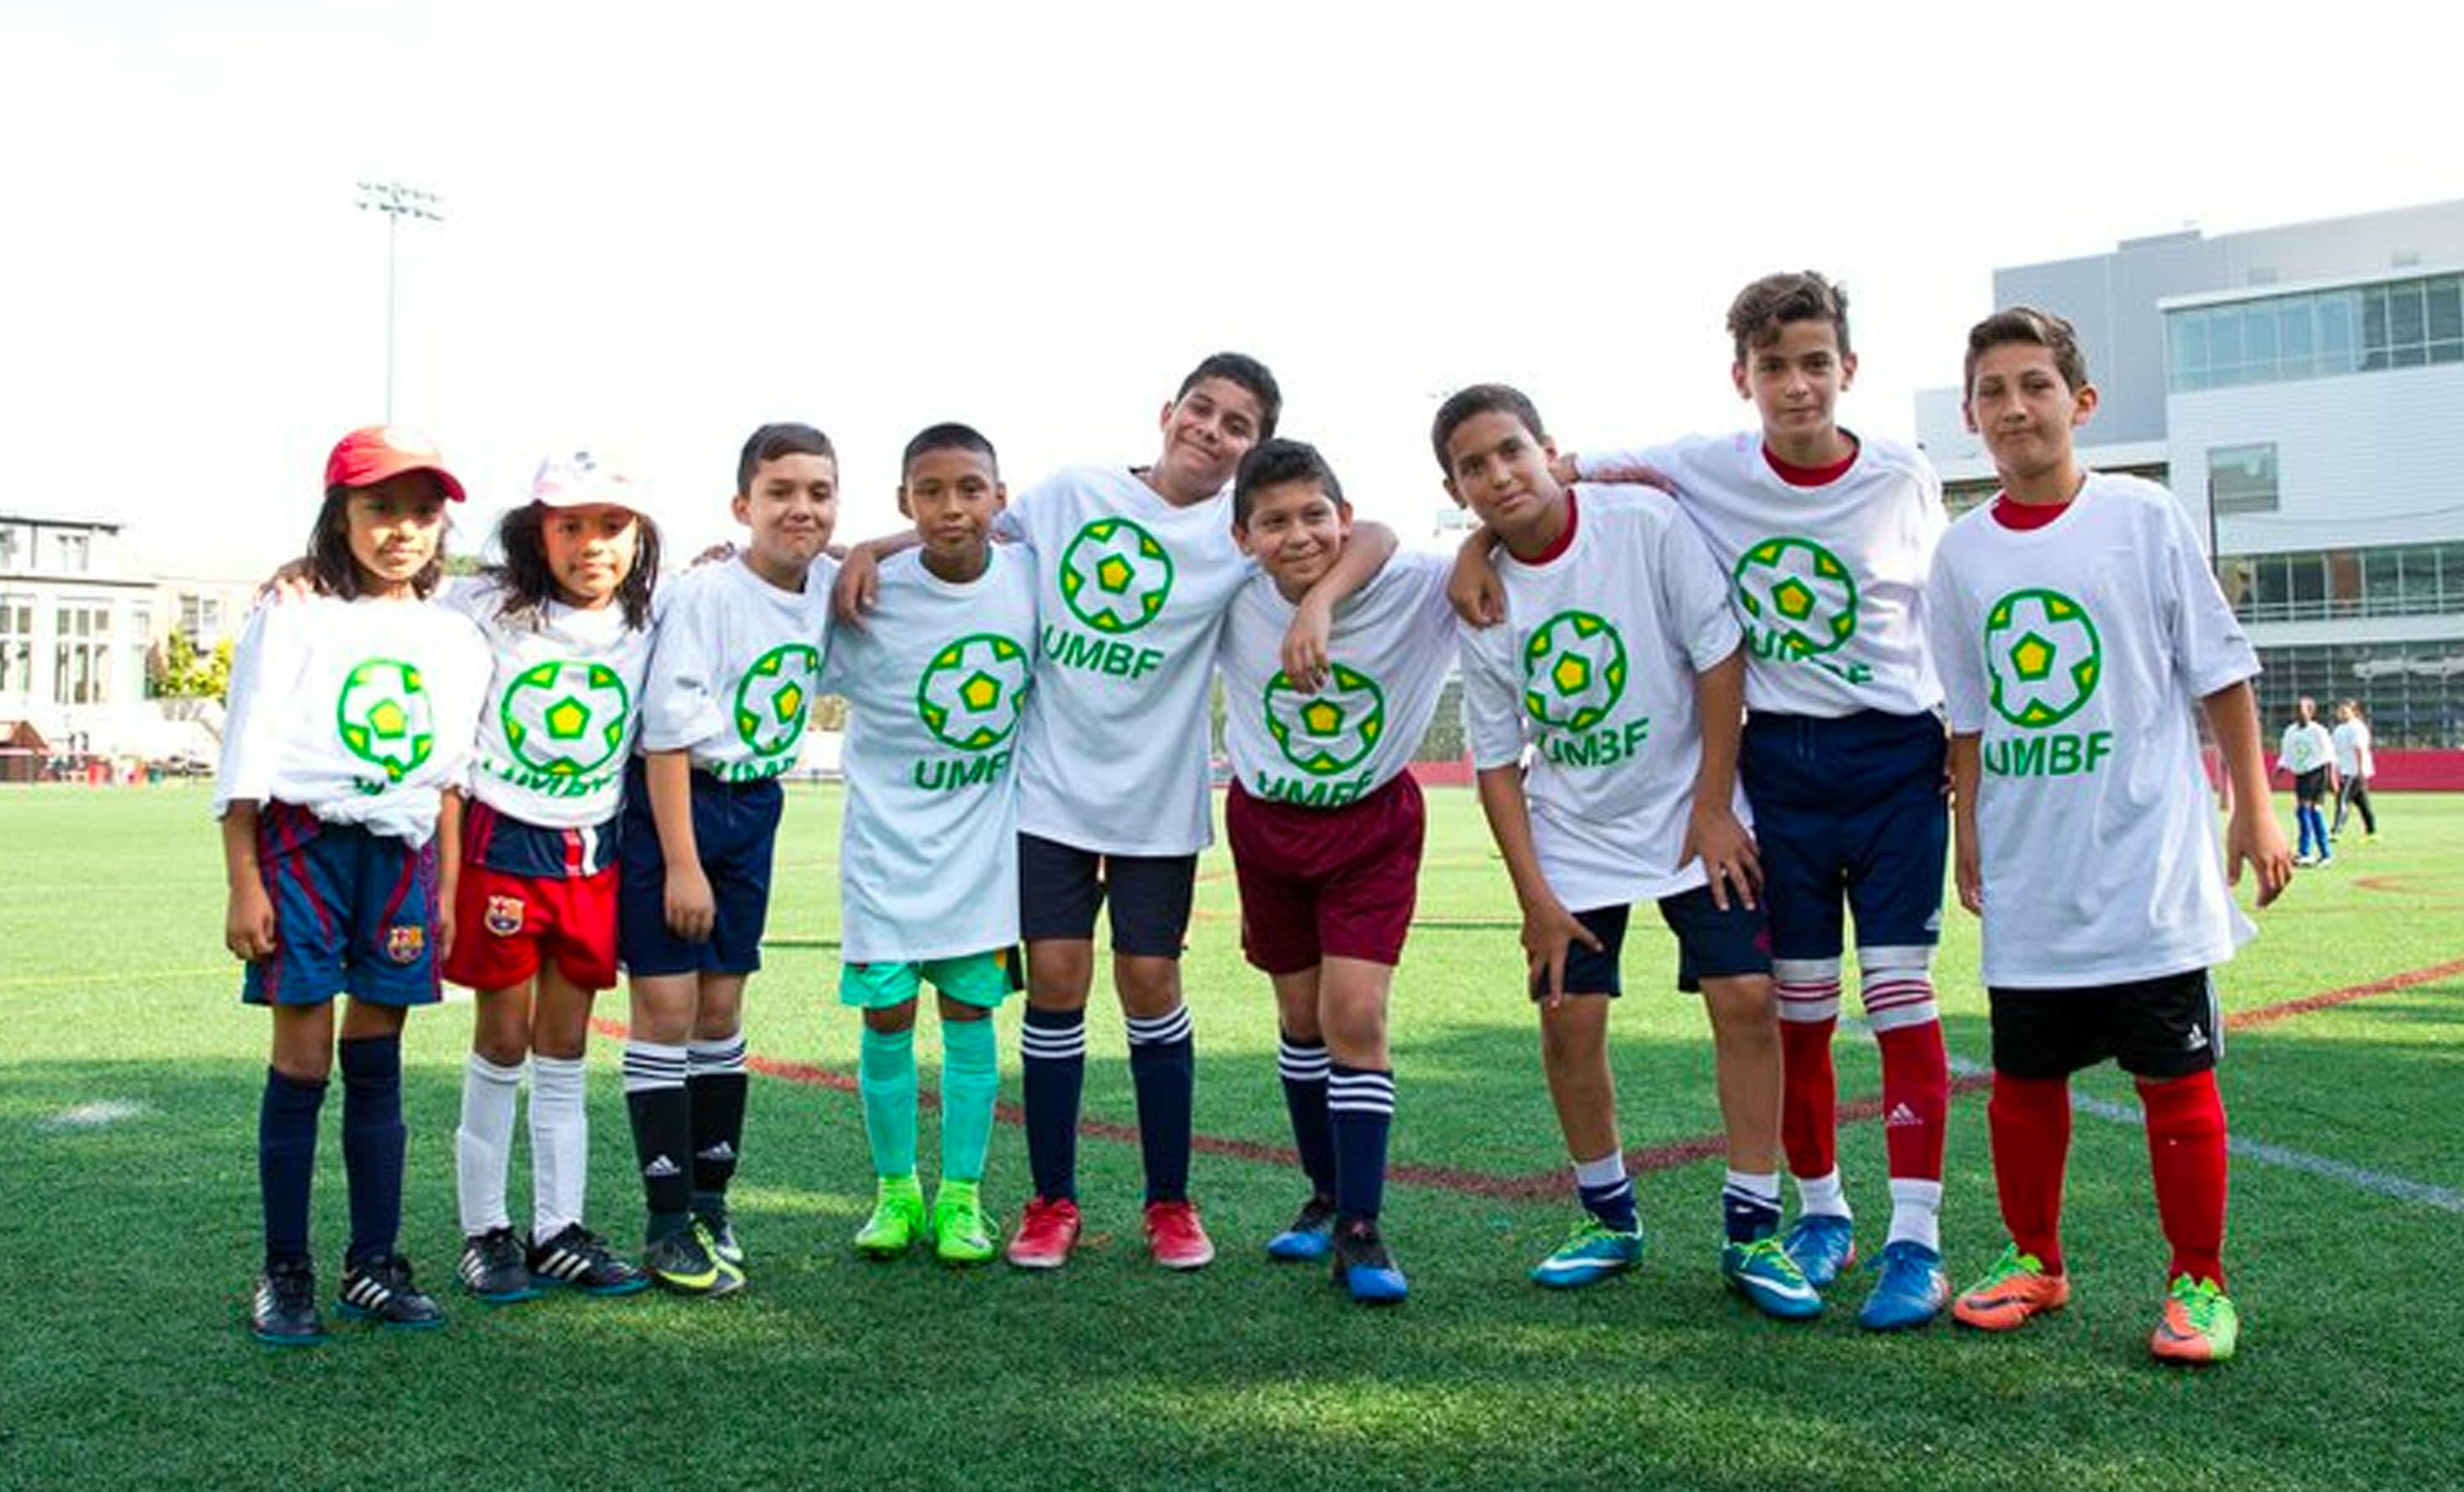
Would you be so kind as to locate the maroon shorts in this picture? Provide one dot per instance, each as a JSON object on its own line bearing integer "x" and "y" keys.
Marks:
{"x": 505, "y": 926}
{"x": 1326, "y": 881}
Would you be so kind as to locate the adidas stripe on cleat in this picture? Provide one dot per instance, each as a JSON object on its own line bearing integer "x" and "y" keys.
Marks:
{"x": 381, "y": 1290}
{"x": 1591, "y": 1252}
{"x": 492, "y": 1268}
{"x": 2199, "y": 1324}
{"x": 1763, "y": 1273}
{"x": 580, "y": 1258}
{"x": 284, "y": 1310}
{"x": 2015, "y": 1288}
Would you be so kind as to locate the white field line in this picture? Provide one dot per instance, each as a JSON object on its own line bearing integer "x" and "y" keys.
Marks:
{"x": 2403, "y": 1189}
{"x": 95, "y": 1115}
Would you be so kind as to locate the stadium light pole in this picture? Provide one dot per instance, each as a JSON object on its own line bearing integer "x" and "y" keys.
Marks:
{"x": 396, "y": 201}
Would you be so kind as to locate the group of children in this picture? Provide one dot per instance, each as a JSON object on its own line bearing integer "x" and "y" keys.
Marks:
{"x": 1712, "y": 675}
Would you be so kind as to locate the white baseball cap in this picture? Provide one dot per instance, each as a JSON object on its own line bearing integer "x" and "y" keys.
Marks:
{"x": 582, "y": 477}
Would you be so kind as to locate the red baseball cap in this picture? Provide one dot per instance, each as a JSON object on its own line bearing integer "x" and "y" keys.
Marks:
{"x": 367, "y": 457}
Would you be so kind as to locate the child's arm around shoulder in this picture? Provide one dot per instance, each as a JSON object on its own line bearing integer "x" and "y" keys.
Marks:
{"x": 1306, "y": 643}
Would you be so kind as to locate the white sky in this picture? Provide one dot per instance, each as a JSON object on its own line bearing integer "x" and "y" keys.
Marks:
{"x": 666, "y": 224}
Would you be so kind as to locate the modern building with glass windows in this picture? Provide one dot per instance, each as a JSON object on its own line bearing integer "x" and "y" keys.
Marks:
{"x": 2301, "y": 391}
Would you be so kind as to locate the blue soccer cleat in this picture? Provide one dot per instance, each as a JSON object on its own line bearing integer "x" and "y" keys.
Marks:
{"x": 1823, "y": 1246}
{"x": 1309, "y": 1237}
{"x": 1592, "y": 1253}
{"x": 1363, "y": 1266}
{"x": 1763, "y": 1273}
{"x": 1912, "y": 1289}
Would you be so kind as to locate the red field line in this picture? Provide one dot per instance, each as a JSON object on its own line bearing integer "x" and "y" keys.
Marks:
{"x": 1541, "y": 1186}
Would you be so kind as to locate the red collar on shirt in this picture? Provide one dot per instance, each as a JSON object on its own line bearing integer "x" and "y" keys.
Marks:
{"x": 1564, "y": 542}
{"x": 2026, "y": 515}
{"x": 1814, "y": 476}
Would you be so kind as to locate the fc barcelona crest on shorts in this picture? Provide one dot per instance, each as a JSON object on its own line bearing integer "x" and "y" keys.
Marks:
{"x": 504, "y": 916}
{"x": 403, "y": 943}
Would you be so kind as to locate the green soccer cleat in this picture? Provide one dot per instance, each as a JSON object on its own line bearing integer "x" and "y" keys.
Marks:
{"x": 1763, "y": 1273}
{"x": 2199, "y": 1324}
{"x": 960, "y": 1235}
{"x": 1591, "y": 1252}
{"x": 897, "y": 1221}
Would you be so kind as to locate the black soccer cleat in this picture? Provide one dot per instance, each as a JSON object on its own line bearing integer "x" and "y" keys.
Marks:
{"x": 492, "y": 1268}
{"x": 579, "y": 1258}
{"x": 284, "y": 1312}
{"x": 381, "y": 1290}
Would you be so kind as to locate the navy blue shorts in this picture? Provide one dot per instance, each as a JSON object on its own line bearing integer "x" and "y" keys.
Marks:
{"x": 1711, "y": 944}
{"x": 734, "y": 826}
{"x": 2165, "y": 1027}
{"x": 354, "y": 913}
{"x": 1848, "y": 811}
{"x": 1060, "y": 886}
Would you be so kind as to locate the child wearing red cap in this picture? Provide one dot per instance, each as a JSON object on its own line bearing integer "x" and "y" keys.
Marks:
{"x": 350, "y": 721}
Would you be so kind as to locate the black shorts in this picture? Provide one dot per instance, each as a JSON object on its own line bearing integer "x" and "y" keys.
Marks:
{"x": 1711, "y": 944}
{"x": 2311, "y": 786}
{"x": 2166, "y": 1027}
{"x": 1060, "y": 886}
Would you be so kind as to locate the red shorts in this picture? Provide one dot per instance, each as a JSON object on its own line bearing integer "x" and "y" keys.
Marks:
{"x": 504, "y": 926}
{"x": 1327, "y": 882}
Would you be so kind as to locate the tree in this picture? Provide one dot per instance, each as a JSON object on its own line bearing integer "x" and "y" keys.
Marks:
{"x": 186, "y": 673}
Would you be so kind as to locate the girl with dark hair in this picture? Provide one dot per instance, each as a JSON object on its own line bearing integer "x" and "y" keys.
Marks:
{"x": 567, "y": 615}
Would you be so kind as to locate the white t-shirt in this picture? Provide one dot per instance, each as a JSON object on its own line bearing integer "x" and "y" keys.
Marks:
{"x": 2080, "y": 652}
{"x": 736, "y": 667}
{"x": 1828, "y": 582}
{"x": 1594, "y": 668}
{"x": 936, "y": 681}
{"x": 2306, "y": 747}
{"x": 2353, "y": 757}
{"x": 1130, "y": 593}
{"x": 361, "y": 711}
{"x": 1392, "y": 642}
{"x": 561, "y": 709}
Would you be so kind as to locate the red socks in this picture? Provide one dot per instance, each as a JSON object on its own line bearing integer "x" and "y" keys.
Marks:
{"x": 2186, "y": 1152}
{"x": 2031, "y": 1122}
{"x": 1916, "y": 1099}
{"x": 1809, "y": 1121}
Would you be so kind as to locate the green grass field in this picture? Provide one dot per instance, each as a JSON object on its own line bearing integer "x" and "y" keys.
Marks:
{"x": 130, "y": 1079}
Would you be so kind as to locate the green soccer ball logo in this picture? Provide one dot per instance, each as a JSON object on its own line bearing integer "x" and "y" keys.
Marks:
{"x": 1799, "y": 591}
{"x": 970, "y": 692}
{"x": 2042, "y": 659}
{"x": 1115, "y": 576}
{"x": 1574, "y": 671}
{"x": 566, "y": 717}
{"x": 1331, "y": 731}
{"x": 775, "y": 697}
{"x": 386, "y": 718}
